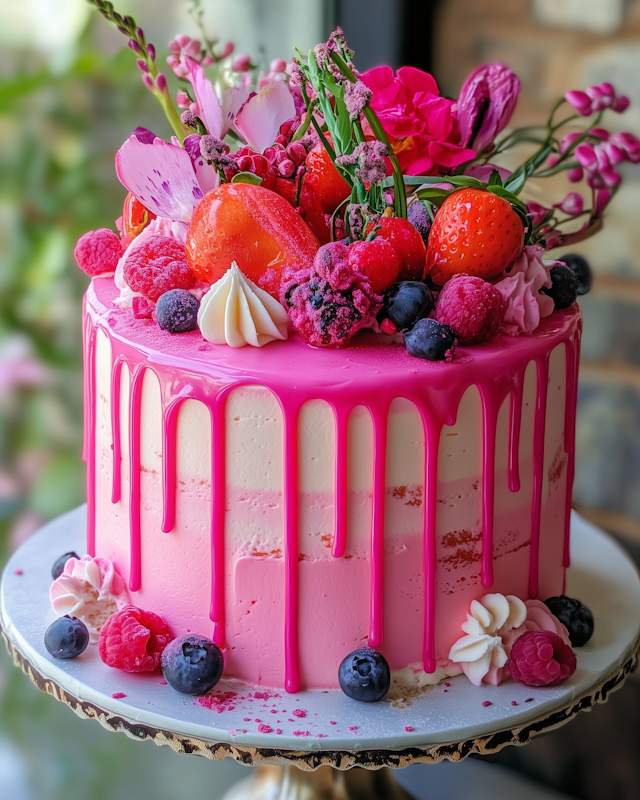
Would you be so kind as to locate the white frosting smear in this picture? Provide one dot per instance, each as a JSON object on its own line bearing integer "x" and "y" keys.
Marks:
{"x": 90, "y": 589}
{"x": 236, "y": 312}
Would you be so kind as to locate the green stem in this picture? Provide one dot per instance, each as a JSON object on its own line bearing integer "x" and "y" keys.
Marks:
{"x": 559, "y": 167}
{"x": 376, "y": 127}
{"x": 306, "y": 122}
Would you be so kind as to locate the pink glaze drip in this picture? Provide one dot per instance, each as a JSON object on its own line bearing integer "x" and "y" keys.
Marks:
{"x": 379, "y": 414}
{"x": 217, "y": 611}
{"x": 339, "y": 546}
{"x": 90, "y": 333}
{"x": 186, "y": 369}
{"x": 515, "y": 422}
{"x": 169, "y": 439}
{"x": 291, "y": 658}
{"x": 116, "y": 446}
{"x": 135, "y": 403}
{"x": 572, "y": 348}
{"x": 542, "y": 381}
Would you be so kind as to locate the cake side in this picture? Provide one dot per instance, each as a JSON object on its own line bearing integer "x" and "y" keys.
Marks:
{"x": 294, "y": 565}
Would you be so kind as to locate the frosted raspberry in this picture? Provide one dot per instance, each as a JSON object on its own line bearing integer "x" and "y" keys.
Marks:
{"x": 472, "y": 307}
{"x": 133, "y": 640}
{"x": 156, "y": 266}
{"x": 541, "y": 658}
{"x": 98, "y": 251}
{"x": 329, "y": 302}
{"x": 141, "y": 307}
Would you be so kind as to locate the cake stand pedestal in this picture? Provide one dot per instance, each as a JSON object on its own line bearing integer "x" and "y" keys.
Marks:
{"x": 303, "y": 744}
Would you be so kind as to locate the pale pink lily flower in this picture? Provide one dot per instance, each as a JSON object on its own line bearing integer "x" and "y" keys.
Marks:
{"x": 217, "y": 116}
{"x": 260, "y": 118}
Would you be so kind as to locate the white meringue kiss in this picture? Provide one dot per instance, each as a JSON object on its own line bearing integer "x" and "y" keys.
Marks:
{"x": 236, "y": 312}
{"x": 90, "y": 589}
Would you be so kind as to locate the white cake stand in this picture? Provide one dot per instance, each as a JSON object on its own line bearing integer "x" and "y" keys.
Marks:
{"x": 315, "y": 730}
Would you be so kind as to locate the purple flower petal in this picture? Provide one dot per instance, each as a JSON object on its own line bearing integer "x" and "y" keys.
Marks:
{"x": 160, "y": 176}
{"x": 144, "y": 135}
{"x": 260, "y": 118}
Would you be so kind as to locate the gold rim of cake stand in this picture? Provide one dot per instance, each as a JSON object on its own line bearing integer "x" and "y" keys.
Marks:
{"x": 328, "y": 775}
{"x": 248, "y": 755}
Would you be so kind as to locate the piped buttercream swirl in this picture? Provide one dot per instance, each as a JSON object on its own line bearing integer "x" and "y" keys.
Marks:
{"x": 237, "y": 312}
{"x": 90, "y": 589}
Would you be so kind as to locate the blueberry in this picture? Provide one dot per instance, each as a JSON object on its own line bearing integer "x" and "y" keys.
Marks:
{"x": 67, "y": 637}
{"x": 430, "y": 339}
{"x": 58, "y": 568}
{"x": 582, "y": 270}
{"x": 575, "y": 616}
{"x": 406, "y": 303}
{"x": 177, "y": 311}
{"x": 192, "y": 664}
{"x": 364, "y": 675}
{"x": 564, "y": 287}
{"x": 418, "y": 216}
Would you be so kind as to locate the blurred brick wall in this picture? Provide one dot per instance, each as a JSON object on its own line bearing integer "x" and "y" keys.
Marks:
{"x": 553, "y": 46}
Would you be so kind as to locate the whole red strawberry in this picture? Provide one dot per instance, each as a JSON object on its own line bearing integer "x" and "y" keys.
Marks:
{"x": 541, "y": 658}
{"x": 406, "y": 241}
{"x": 378, "y": 261}
{"x": 133, "y": 640}
{"x": 474, "y": 232}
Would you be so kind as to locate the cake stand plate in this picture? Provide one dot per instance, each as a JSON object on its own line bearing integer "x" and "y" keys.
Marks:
{"x": 312, "y": 729}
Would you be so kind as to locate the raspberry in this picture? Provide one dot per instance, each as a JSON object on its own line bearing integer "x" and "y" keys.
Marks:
{"x": 156, "y": 266}
{"x": 98, "y": 251}
{"x": 133, "y": 640}
{"x": 141, "y": 307}
{"x": 472, "y": 307}
{"x": 541, "y": 658}
{"x": 378, "y": 261}
{"x": 329, "y": 302}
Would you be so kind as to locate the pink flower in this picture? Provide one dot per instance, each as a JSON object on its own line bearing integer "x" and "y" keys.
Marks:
{"x": 422, "y": 124}
{"x": 486, "y": 103}
{"x": 596, "y": 98}
{"x": 572, "y": 204}
{"x": 536, "y": 211}
{"x": 260, "y": 118}
{"x": 241, "y": 63}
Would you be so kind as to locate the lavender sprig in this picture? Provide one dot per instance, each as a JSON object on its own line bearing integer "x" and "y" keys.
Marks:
{"x": 154, "y": 80}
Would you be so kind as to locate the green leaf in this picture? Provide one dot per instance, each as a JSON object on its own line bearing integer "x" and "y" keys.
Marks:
{"x": 434, "y": 195}
{"x": 246, "y": 177}
{"x": 495, "y": 179}
{"x": 515, "y": 181}
{"x": 505, "y": 194}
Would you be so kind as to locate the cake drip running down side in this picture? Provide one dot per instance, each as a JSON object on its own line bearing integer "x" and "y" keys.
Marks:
{"x": 185, "y": 372}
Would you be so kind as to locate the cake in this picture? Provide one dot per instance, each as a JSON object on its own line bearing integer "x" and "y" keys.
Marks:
{"x": 331, "y": 378}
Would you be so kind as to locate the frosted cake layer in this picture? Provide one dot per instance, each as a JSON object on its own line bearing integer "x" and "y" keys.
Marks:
{"x": 284, "y": 501}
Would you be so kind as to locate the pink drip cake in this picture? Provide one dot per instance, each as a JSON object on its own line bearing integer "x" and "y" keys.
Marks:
{"x": 331, "y": 381}
{"x": 299, "y": 503}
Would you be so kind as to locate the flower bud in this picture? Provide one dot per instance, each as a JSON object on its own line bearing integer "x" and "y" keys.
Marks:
{"x": 148, "y": 81}
{"x": 241, "y": 63}
{"x": 227, "y": 50}
{"x": 571, "y": 205}
{"x": 183, "y": 40}
{"x": 142, "y": 65}
{"x": 487, "y": 100}
{"x": 278, "y": 65}
{"x": 161, "y": 82}
{"x": 151, "y": 52}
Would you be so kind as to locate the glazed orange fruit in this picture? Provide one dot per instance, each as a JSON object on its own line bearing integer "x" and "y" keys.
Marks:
{"x": 250, "y": 225}
{"x": 324, "y": 179}
{"x": 476, "y": 233}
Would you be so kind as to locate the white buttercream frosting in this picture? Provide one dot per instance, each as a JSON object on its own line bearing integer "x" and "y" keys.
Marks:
{"x": 90, "y": 589}
{"x": 481, "y": 653}
{"x": 237, "y": 312}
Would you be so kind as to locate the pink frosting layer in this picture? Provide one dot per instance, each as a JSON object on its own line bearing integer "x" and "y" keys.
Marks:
{"x": 341, "y": 599}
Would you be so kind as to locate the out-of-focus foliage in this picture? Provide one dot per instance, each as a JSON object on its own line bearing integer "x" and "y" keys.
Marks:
{"x": 59, "y": 131}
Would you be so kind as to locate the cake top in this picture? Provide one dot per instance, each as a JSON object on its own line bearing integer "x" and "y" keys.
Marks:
{"x": 315, "y": 198}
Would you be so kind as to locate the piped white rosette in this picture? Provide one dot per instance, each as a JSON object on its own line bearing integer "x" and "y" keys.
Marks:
{"x": 90, "y": 589}
{"x": 236, "y": 312}
{"x": 481, "y": 653}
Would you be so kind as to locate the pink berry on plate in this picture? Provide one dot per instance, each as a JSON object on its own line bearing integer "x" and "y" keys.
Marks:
{"x": 133, "y": 640}
{"x": 541, "y": 658}
{"x": 473, "y": 308}
{"x": 98, "y": 251}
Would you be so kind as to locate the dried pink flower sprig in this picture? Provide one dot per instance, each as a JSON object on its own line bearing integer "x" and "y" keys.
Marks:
{"x": 152, "y": 78}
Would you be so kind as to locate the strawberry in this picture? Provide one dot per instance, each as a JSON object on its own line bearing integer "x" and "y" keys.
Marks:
{"x": 308, "y": 207}
{"x": 406, "y": 241}
{"x": 475, "y": 232}
{"x": 324, "y": 179}
{"x": 378, "y": 261}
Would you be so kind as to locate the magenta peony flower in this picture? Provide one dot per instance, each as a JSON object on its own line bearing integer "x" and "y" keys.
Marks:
{"x": 486, "y": 103}
{"x": 422, "y": 126}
